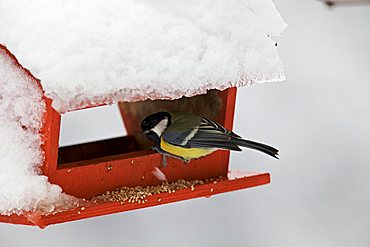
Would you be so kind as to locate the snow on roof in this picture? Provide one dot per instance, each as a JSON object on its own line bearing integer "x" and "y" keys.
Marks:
{"x": 21, "y": 113}
{"x": 94, "y": 52}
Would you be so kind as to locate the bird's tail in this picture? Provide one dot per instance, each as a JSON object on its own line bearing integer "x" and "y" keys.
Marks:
{"x": 257, "y": 146}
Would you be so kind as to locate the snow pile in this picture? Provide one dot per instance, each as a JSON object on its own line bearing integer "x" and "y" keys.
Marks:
{"x": 21, "y": 112}
{"x": 90, "y": 52}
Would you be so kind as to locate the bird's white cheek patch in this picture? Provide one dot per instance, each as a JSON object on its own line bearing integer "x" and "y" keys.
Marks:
{"x": 161, "y": 127}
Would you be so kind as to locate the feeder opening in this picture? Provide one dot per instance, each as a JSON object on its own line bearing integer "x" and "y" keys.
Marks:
{"x": 122, "y": 139}
{"x": 93, "y": 133}
{"x": 91, "y": 124}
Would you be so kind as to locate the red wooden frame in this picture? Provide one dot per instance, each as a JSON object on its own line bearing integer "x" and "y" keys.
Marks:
{"x": 89, "y": 178}
{"x": 85, "y": 179}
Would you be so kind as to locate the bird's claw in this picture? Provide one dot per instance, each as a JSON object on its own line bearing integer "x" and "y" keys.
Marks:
{"x": 186, "y": 161}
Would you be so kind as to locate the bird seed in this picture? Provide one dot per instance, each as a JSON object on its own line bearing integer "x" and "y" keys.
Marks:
{"x": 139, "y": 194}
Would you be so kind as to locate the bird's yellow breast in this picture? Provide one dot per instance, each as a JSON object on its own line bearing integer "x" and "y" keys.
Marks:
{"x": 186, "y": 153}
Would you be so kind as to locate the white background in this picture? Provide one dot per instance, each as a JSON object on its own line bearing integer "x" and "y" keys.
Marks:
{"x": 319, "y": 119}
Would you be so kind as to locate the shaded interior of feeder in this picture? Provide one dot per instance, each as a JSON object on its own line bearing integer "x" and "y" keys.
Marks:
{"x": 208, "y": 105}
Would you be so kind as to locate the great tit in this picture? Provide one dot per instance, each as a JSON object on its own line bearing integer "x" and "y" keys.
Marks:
{"x": 186, "y": 136}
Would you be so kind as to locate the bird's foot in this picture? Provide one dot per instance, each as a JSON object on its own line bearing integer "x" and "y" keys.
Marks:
{"x": 156, "y": 149}
{"x": 166, "y": 154}
{"x": 187, "y": 161}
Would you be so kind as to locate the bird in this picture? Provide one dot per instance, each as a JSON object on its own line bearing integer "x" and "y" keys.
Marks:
{"x": 187, "y": 136}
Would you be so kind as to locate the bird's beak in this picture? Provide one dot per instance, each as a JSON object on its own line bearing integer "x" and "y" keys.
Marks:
{"x": 144, "y": 132}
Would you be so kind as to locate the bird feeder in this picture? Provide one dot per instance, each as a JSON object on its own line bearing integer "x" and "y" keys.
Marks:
{"x": 90, "y": 169}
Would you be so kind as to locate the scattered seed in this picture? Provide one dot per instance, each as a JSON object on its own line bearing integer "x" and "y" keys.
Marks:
{"x": 211, "y": 190}
{"x": 83, "y": 208}
{"x": 69, "y": 170}
{"x": 139, "y": 194}
{"x": 79, "y": 212}
{"x": 109, "y": 168}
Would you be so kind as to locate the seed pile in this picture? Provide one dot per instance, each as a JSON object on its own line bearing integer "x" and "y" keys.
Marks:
{"x": 139, "y": 194}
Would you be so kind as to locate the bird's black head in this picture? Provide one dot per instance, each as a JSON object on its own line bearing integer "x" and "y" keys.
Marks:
{"x": 155, "y": 124}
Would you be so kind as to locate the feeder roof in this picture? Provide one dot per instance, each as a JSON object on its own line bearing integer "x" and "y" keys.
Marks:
{"x": 95, "y": 52}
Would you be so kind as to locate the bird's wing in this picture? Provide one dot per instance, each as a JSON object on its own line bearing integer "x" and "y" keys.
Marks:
{"x": 191, "y": 131}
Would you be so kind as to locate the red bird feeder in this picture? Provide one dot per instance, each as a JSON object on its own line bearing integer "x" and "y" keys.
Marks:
{"x": 90, "y": 169}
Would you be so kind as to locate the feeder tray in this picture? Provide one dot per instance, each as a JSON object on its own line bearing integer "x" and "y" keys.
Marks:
{"x": 235, "y": 181}
{"x": 88, "y": 170}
